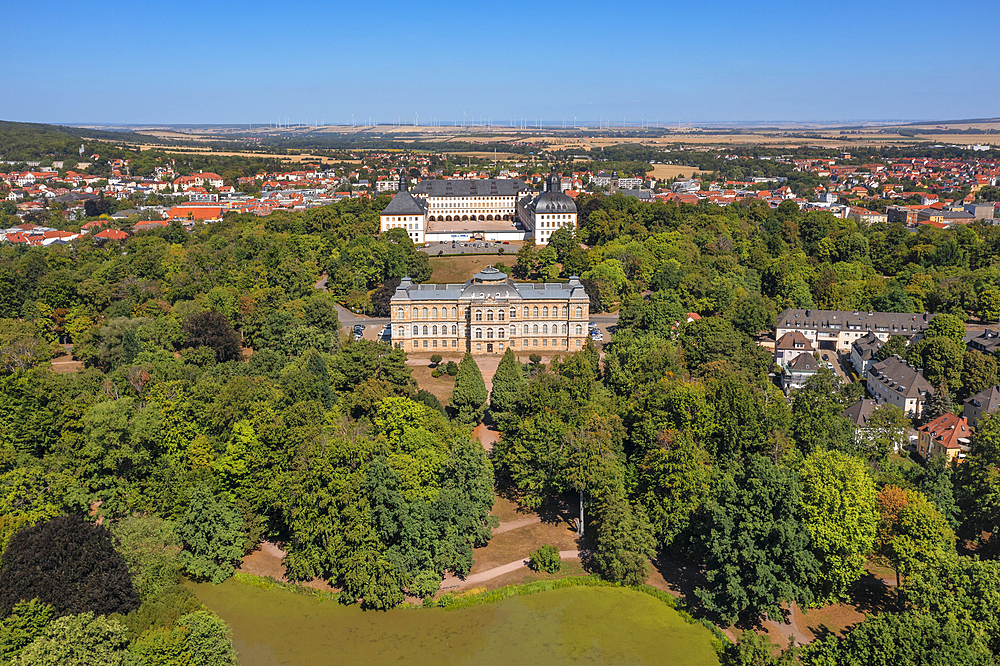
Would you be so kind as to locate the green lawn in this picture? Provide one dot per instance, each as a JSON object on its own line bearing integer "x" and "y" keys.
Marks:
{"x": 576, "y": 625}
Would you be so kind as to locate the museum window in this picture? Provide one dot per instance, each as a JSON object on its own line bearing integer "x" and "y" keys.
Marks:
{"x": 565, "y": 329}
{"x": 400, "y": 332}
{"x": 454, "y": 343}
{"x": 579, "y": 312}
{"x": 525, "y": 311}
{"x": 545, "y": 312}
{"x": 479, "y": 315}
{"x": 425, "y": 313}
{"x": 535, "y": 329}
{"x": 489, "y": 315}
{"x": 454, "y": 312}
{"x": 434, "y": 343}
{"x": 535, "y": 311}
{"x": 435, "y": 330}
{"x": 479, "y": 347}
{"x": 425, "y": 330}
{"x": 513, "y": 331}
{"x": 454, "y": 329}
{"x": 565, "y": 311}
{"x": 425, "y": 344}
{"x": 479, "y": 333}
{"x": 489, "y": 333}
{"x": 434, "y": 313}
{"x": 416, "y": 330}
{"x": 579, "y": 329}
{"x": 545, "y": 329}
{"x": 545, "y": 342}
{"x": 526, "y": 329}
{"x": 513, "y": 313}
{"x": 399, "y": 313}
{"x": 500, "y": 315}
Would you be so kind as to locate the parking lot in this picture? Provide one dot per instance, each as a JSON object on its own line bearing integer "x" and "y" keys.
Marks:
{"x": 472, "y": 247}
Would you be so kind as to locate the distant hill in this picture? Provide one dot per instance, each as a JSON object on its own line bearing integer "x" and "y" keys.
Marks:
{"x": 32, "y": 141}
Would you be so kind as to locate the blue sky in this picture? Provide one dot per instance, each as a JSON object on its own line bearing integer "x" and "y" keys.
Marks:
{"x": 255, "y": 62}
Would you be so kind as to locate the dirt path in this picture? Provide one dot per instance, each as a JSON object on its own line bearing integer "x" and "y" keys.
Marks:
{"x": 514, "y": 524}
{"x": 452, "y": 582}
{"x": 790, "y": 628}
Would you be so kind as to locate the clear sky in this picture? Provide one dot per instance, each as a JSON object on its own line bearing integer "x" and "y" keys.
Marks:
{"x": 207, "y": 61}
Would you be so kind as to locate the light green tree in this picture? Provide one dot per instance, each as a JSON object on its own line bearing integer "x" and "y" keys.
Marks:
{"x": 78, "y": 640}
{"x": 212, "y": 532}
{"x": 150, "y": 547}
{"x": 838, "y": 506}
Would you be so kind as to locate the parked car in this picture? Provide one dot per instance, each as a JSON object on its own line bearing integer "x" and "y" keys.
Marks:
{"x": 359, "y": 329}
{"x": 357, "y": 336}
{"x": 592, "y": 324}
{"x": 506, "y": 242}
{"x": 826, "y": 357}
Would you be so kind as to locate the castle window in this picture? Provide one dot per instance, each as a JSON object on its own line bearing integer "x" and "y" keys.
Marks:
{"x": 479, "y": 315}
{"x": 565, "y": 311}
{"x": 526, "y": 311}
{"x": 425, "y": 330}
{"x": 579, "y": 312}
{"x": 579, "y": 329}
{"x": 425, "y": 313}
{"x": 565, "y": 329}
{"x": 416, "y": 330}
{"x": 500, "y": 315}
{"x": 513, "y": 313}
{"x": 454, "y": 312}
{"x": 545, "y": 329}
{"x": 454, "y": 330}
{"x": 535, "y": 329}
{"x": 399, "y": 313}
{"x": 434, "y": 313}
{"x": 479, "y": 333}
{"x": 535, "y": 311}
{"x": 489, "y": 315}
{"x": 489, "y": 333}
{"x": 545, "y": 312}
{"x": 435, "y": 330}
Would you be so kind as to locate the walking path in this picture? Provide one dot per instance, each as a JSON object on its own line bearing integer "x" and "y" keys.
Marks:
{"x": 514, "y": 524}
{"x": 452, "y": 582}
{"x": 790, "y": 628}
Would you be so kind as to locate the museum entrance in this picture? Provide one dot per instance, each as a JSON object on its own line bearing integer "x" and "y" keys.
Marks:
{"x": 489, "y": 346}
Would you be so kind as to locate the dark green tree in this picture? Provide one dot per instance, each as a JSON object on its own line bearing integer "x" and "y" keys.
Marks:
{"x": 754, "y": 546}
{"x": 468, "y": 399}
{"x": 508, "y": 384}
{"x": 625, "y": 542}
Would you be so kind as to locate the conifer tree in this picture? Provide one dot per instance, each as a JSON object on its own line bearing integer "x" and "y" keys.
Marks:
{"x": 939, "y": 403}
{"x": 469, "y": 397}
{"x": 508, "y": 384}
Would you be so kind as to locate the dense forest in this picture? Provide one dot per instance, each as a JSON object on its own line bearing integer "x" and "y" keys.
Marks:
{"x": 675, "y": 440}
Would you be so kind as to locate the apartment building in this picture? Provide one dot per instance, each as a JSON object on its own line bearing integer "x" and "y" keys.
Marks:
{"x": 838, "y": 329}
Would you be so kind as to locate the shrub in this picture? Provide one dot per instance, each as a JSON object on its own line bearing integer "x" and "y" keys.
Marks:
{"x": 546, "y": 559}
{"x": 451, "y": 368}
{"x": 535, "y": 359}
{"x": 437, "y": 372}
{"x": 435, "y": 359}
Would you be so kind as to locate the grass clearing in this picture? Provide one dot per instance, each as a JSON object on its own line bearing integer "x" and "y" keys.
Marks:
{"x": 456, "y": 269}
{"x": 573, "y": 625}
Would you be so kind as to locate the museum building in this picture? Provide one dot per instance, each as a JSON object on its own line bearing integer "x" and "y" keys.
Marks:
{"x": 489, "y": 314}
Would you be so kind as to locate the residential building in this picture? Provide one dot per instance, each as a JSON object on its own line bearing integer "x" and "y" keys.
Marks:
{"x": 947, "y": 435}
{"x": 790, "y": 346}
{"x": 898, "y": 383}
{"x": 838, "y": 329}
{"x": 982, "y": 403}
{"x": 987, "y": 342}
{"x": 797, "y": 373}
{"x": 488, "y": 314}
{"x": 550, "y": 210}
{"x": 863, "y": 352}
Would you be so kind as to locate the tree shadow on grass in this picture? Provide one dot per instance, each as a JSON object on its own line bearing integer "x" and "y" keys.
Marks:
{"x": 872, "y": 595}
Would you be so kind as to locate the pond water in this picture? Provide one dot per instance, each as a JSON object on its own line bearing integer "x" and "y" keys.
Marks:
{"x": 575, "y": 625}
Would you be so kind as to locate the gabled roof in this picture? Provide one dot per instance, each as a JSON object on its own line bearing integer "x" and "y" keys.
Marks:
{"x": 867, "y": 345}
{"x": 860, "y": 412}
{"x": 404, "y": 203}
{"x": 804, "y": 363}
{"x": 898, "y": 375}
{"x": 988, "y": 400}
{"x": 792, "y": 338}
{"x": 949, "y": 431}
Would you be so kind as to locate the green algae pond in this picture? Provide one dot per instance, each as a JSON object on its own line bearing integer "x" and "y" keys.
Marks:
{"x": 572, "y": 625}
